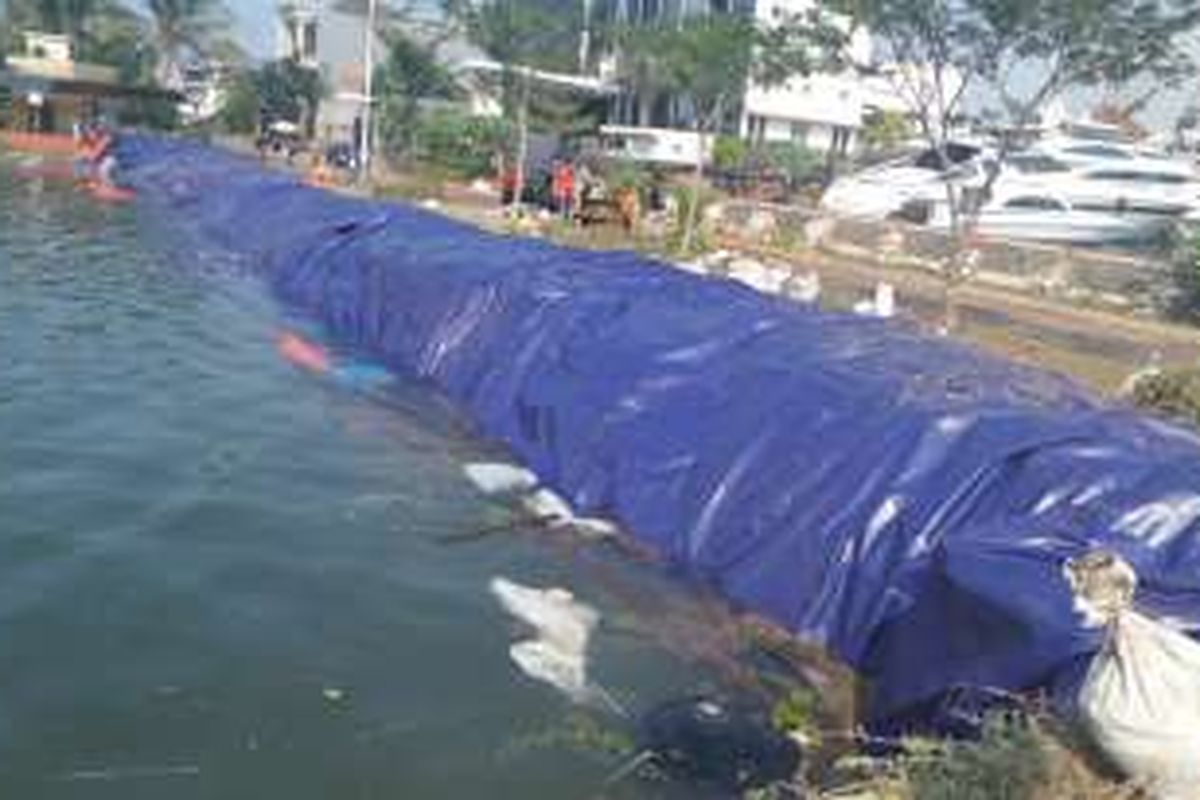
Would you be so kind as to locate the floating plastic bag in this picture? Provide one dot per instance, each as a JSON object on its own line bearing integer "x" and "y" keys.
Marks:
{"x": 557, "y": 653}
{"x": 1141, "y": 698}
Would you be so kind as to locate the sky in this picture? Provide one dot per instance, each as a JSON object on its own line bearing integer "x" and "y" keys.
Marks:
{"x": 256, "y": 25}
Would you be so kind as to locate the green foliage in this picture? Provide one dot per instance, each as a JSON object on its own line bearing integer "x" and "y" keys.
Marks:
{"x": 579, "y": 733}
{"x": 706, "y": 58}
{"x": 289, "y": 91}
{"x": 626, "y": 174}
{"x": 709, "y": 57}
{"x": 142, "y": 40}
{"x": 729, "y": 152}
{"x": 1080, "y": 42}
{"x": 690, "y": 202}
{"x": 1183, "y": 246}
{"x": 104, "y": 31}
{"x": 278, "y": 90}
{"x": 5, "y": 106}
{"x": 182, "y": 29}
{"x": 533, "y": 33}
{"x": 542, "y": 34}
{"x": 461, "y": 143}
{"x": 152, "y": 112}
{"x": 798, "y": 712}
{"x": 797, "y": 162}
{"x": 886, "y": 130}
{"x": 409, "y": 74}
{"x": 239, "y": 113}
{"x": 1008, "y": 763}
{"x": 1175, "y": 393}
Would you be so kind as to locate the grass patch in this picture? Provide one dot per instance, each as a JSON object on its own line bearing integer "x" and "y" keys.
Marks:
{"x": 1174, "y": 393}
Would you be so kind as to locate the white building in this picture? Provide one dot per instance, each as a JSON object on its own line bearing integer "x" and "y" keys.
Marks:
{"x": 823, "y": 111}
{"x": 318, "y": 36}
{"x": 298, "y": 32}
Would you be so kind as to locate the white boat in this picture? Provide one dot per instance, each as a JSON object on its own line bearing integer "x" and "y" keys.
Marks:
{"x": 1030, "y": 215}
{"x": 883, "y": 190}
{"x": 1089, "y": 152}
{"x": 1090, "y": 176}
{"x": 1105, "y": 176}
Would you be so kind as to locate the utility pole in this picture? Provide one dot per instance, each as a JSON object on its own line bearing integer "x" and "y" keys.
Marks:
{"x": 585, "y": 38}
{"x": 364, "y": 143}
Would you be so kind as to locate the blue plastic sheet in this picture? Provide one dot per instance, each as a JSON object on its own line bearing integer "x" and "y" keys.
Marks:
{"x": 905, "y": 502}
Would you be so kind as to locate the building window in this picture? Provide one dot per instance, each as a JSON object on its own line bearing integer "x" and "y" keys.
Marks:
{"x": 800, "y": 133}
{"x": 310, "y": 41}
{"x": 756, "y": 128}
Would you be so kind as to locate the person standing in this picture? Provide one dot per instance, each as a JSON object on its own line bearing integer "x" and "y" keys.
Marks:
{"x": 566, "y": 190}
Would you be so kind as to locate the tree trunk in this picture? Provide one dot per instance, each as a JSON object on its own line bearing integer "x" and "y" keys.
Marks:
{"x": 952, "y": 265}
{"x": 522, "y": 141}
{"x": 693, "y": 209}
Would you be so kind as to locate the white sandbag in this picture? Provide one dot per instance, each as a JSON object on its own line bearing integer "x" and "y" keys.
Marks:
{"x": 556, "y": 513}
{"x": 557, "y": 653}
{"x": 500, "y": 479}
{"x": 548, "y": 507}
{"x": 1140, "y": 700}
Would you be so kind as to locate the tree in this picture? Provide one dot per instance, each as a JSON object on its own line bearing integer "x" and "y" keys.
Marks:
{"x": 289, "y": 91}
{"x": 461, "y": 143}
{"x": 101, "y": 30}
{"x": 706, "y": 61}
{"x": 886, "y": 130}
{"x": 522, "y": 36}
{"x": 117, "y": 37}
{"x": 429, "y": 21}
{"x": 533, "y": 33}
{"x": 240, "y": 111}
{"x": 1023, "y": 52}
{"x": 409, "y": 74}
{"x": 184, "y": 29}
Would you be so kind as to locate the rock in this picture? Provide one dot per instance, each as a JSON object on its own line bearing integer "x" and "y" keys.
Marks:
{"x": 805, "y": 287}
{"x": 760, "y": 225}
{"x": 882, "y": 305}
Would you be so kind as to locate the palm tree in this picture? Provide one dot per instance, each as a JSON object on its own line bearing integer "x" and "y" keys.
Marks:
{"x": 185, "y": 29}
{"x": 51, "y": 16}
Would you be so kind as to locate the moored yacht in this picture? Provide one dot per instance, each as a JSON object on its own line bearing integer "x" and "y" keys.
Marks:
{"x": 1029, "y": 214}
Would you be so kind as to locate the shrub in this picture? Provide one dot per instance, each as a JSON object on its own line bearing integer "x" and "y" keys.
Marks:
{"x": 800, "y": 164}
{"x": 729, "y": 152}
{"x": 1184, "y": 249}
{"x": 886, "y": 130}
{"x": 1175, "y": 393}
{"x": 799, "y": 713}
{"x": 1009, "y": 762}
{"x": 462, "y": 143}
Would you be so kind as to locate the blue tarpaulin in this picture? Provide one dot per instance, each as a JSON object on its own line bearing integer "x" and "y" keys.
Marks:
{"x": 905, "y": 502}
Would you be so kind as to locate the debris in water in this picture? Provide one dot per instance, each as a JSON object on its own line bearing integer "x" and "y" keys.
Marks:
{"x": 131, "y": 773}
{"x": 707, "y": 741}
{"x": 557, "y": 655}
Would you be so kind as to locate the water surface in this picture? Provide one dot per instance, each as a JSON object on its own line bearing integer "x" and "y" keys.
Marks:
{"x": 223, "y": 577}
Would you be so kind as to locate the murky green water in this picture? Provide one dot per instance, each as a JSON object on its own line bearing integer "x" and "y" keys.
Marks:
{"x": 223, "y": 578}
